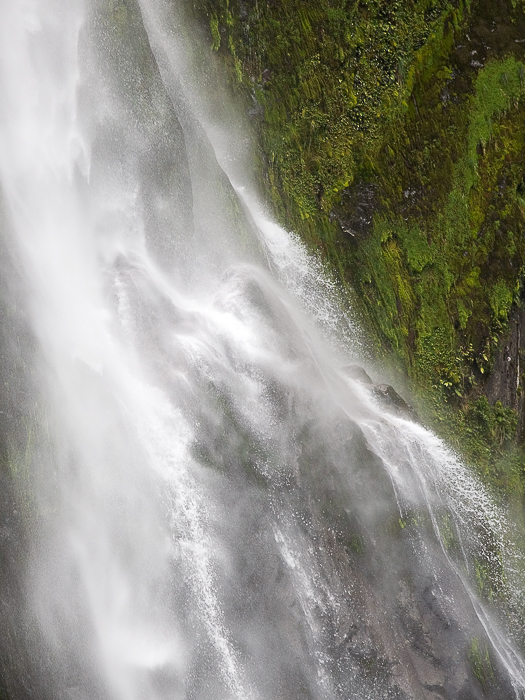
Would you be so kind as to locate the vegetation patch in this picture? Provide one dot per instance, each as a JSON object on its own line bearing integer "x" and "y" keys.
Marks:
{"x": 393, "y": 142}
{"x": 480, "y": 664}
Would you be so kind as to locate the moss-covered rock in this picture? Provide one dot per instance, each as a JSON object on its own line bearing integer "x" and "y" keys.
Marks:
{"x": 394, "y": 143}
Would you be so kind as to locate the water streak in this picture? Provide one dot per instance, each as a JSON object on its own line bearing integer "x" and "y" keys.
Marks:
{"x": 217, "y": 511}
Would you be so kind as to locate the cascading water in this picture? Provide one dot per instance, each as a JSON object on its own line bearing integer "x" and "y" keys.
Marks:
{"x": 214, "y": 509}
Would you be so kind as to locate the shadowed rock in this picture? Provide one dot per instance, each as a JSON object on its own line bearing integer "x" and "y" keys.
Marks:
{"x": 388, "y": 397}
{"x": 385, "y": 394}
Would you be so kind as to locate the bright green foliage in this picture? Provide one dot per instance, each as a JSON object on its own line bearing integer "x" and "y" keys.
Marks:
{"x": 214, "y": 26}
{"x": 460, "y": 301}
{"x": 330, "y": 76}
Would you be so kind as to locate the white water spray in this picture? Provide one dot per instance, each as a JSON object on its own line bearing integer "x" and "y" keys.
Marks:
{"x": 214, "y": 501}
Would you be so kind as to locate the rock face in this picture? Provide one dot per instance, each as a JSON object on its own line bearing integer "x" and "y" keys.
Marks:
{"x": 389, "y": 398}
{"x": 382, "y": 620}
{"x": 506, "y": 380}
{"x": 392, "y": 159}
{"x": 385, "y": 394}
{"x": 356, "y": 212}
{"x": 333, "y": 581}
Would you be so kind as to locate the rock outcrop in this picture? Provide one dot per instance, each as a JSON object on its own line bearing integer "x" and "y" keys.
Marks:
{"x": 385, "y": 394}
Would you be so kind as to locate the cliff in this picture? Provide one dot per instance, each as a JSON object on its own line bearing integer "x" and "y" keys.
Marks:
{"x": 393, "y": 142}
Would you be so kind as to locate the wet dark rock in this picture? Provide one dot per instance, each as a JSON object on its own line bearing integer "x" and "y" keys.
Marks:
{"x": 389, "y": 398}
{"x": 386, "y": 395}
{"x": 505, "y": 382}
{"x": 355, "y": 213}
{"x": 392, "y": 629}
{"x": 266, "y": 75}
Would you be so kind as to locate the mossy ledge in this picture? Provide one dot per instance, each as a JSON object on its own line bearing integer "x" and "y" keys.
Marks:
{"x": 394, "y": 143}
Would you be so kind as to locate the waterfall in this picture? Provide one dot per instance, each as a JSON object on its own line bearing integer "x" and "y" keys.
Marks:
{"x": 213, "y": 508}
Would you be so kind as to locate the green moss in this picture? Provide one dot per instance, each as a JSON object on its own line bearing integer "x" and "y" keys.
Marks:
{"x": 461, "y": 257}
{"x": 214, "y": 27}
{"x": 479, "y": 659}
{"x": 448, "y": 534}
{"x": 355, "y": 544}
{"x": 407, "y": 99}
{"x": 501, "y": 298}
{"x": 418, "y": 252}
{"x": 330, "y": 76}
